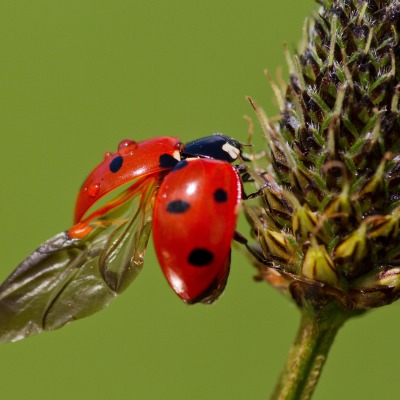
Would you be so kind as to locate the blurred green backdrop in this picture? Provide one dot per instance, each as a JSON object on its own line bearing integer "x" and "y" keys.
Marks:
{"x": 76, "y": 78}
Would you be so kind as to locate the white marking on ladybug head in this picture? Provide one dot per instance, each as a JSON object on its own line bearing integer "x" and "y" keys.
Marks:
{"x": 177, "y": 155}
{"x": 231, "y": 150}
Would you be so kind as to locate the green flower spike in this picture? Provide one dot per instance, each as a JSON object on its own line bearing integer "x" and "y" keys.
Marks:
{"x": 326, "y": 230}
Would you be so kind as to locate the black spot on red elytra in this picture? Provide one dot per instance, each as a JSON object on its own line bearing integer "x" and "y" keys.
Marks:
{"x": 200, "y": 257}
{"x": 177, "y": 206}
{"x": 220, "y": 196}
{"x": 167, "y": 161}
{"x": 116, "y": 164}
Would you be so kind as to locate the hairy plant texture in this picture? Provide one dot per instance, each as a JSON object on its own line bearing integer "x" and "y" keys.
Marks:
{"x": 328, "y": 224}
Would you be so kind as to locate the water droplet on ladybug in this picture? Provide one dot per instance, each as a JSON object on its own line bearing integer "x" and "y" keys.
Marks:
{"x": 94, "y": 189}
{"x": 107, "y": 155}
{"x": 179, "y": 146}
{"x": 126, "y": 147}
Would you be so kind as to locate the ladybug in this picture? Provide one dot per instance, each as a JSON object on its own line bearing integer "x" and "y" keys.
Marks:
{"x": 188, "y": 194}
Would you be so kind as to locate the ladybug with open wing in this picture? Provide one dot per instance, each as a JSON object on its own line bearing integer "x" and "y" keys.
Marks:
{"x": 188, "y": 194}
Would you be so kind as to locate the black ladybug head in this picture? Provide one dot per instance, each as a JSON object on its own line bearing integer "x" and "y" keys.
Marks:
{"x": 217, "y": 146}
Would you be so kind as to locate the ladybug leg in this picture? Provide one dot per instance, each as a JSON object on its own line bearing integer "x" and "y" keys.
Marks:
{"x": 246, "y": 157}
{"x": 240, "y": 238}
{"x": 256, "y": 194}
{"x": 255, "y": 252}
{"x": 244, "y": 173}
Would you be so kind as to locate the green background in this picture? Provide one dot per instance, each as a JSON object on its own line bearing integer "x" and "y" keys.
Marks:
{"x": 76, "y": 78}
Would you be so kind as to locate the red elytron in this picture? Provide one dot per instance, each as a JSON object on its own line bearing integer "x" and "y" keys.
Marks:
{"x": 194, "y": 222}
{"x": 132, "y": 160}
{"x": 78, "y": 272}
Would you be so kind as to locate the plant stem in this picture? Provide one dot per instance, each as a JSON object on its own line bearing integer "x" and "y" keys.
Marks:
{"x": 308, "y": 354}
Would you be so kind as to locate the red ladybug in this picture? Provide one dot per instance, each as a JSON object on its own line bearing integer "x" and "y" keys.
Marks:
{"x": 194, "y": 222}
{"x": 78, "y": 272}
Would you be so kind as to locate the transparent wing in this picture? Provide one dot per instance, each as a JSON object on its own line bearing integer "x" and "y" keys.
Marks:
{"x": 78, "y": 272}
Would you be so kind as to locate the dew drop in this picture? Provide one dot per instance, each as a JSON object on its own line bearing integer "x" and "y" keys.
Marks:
{"x": 179, "y": 146}
{"x": 107, "y": 155}
{"x": 94, "y": 189}
{"x": 126, "y": 147}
